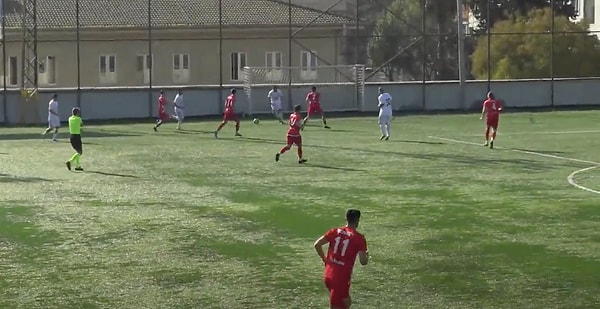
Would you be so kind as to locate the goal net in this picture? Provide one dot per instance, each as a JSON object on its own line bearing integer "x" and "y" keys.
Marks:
{"x": 342, "y": 87}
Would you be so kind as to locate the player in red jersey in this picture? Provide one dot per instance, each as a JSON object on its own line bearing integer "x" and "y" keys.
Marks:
{"x": 313, "y": 98}
{"x": 229, "y": 114}
{"x": 162, "y": 114}
{"x": 293, "y": 135}
{"x": 491, "y": 110}
{"x": 345, "y": 243}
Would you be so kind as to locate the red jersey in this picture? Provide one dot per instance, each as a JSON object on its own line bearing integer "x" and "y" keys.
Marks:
{"x": 230, "y": 104}
{"x": 492, "y": 108}
{"x": 313, "y": 98}
{"x": 161, "y": 104}
{"x": 344, "y": 245}
{"x": 295, "y": 124}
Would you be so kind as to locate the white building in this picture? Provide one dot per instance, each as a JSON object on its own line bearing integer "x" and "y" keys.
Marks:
{"x": 589, "y": 10}
{"x": 337, "y": 6}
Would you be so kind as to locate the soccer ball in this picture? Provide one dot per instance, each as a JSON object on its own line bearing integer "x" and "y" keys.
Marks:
{"x": 256, "y": 121}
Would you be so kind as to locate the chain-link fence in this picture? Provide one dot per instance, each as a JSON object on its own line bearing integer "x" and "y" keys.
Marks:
{"x": 150, "y": 44}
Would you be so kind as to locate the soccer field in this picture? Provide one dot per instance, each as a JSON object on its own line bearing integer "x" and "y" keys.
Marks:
{"x": 184, "y": 220}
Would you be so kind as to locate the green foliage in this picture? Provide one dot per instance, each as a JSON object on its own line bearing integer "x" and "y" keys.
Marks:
{"x": 503, "y": 9}
{"x": 433, "y": 57}
{"x": 514, "y": 54}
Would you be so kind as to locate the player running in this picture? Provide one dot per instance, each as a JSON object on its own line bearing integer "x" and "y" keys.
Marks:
{"x": 275, "y": 97}
{"x": 385, "y": 113}
{"x": 75, "y": 123}
{"x": 491, "y": 110}
{"x": 345, "y": 243}
{"x": 313, "y": 99}
{"x": 179, "y": 108}
{"x": 53, "y": 117}
{"x": 229, "y": 114}
{"x": 293, "y": 135}
{"x": 162, "y": 114}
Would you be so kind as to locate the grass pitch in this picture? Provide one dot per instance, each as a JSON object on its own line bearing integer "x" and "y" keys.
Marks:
{"x": 183, "y": 220}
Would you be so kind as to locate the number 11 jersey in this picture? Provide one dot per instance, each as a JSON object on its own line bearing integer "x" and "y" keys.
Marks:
{"x": 344, "y": 245}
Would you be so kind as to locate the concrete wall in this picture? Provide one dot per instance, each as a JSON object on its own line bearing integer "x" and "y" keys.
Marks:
{"x": 120, "y": 103}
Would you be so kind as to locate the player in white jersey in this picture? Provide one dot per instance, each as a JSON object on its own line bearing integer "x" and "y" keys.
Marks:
{"x": 275, "y": 97}
{"x": 53, "y": 117}
{"x": 179, "y": 108}
{"x": 385, "y": 113}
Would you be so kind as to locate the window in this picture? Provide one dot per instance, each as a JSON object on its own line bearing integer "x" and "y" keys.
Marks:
{"x": 108, "y": 69}
{"x": 13, "y": 71}
{"x": 238, "y": 62}
{"x": 273, "y": 60}
{"x": 47, "y": 71}
{"x": 144, "y": 67}
{"x": 589, "y": 11}
{"x": 181, "y": 68}
{"x": 308, "y": 64}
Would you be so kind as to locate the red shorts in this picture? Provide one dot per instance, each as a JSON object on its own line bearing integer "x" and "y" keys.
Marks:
{"x": 291, "y": 140}
{"x": 230, "y": 117}
{"x": 338, "y": 292}
{"x": 314, "y": 109}
{"x": 492, "y": 122}
{"x": 163, "y": 116}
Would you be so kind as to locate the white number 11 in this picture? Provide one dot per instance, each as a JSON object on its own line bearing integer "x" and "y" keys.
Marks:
{"x": 344, "y": 245}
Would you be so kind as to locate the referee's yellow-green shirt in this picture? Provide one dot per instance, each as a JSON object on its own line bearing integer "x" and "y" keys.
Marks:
{"x": 75, "y": 125}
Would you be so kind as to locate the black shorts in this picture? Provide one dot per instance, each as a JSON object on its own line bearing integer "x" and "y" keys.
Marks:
{"x": 76, "y": 143}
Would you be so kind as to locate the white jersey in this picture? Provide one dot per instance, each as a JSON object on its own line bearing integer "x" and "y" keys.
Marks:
{"x": 275, "y": 97}
{"x": 385, "y": 104}
{"x": 179, "y": 101}
{"x": 52, "y": 109}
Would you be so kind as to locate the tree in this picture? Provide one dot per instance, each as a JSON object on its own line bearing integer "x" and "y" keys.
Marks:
{"x": 517, "y": 55}
{"x": 433, "y": 57}
{"x": 503, "y": 9}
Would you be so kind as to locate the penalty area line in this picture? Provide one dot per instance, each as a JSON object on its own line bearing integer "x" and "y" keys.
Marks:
{"x": 570, "y": 178}
{"x": 544, "y": 133}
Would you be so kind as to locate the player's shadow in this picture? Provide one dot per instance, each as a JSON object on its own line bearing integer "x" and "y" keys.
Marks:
{"x": 113, "y": 174}
{"x": 548, "y": 152}
{"x": 346, "y": 169}
{"x": 189, "y": 131}
{"x": 85, "y": 134}
{"x": 416, "y": 142}
{"x": 6, "y": 178}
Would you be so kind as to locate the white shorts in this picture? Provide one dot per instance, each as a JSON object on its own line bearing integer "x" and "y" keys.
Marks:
{"x": 179, "y": 113}
{"x": 276, "y": 107}
{"x": 385, "y": 118}
{"x": 53, "y": 122}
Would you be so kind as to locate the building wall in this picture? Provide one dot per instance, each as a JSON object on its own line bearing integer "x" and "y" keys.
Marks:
{"x": 202, "y": 48}
{"x": 202, "y": 101}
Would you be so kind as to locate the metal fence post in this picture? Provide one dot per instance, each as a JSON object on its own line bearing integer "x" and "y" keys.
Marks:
{"x": 552, "y": 29}
{"x": 78, "y": 47}
{"x": 220, "y": 56}
{"x": 424, "y": 52}
{"x": 461, "y": 49}
{"x": 290, "y": 38}
{"x": 4, "y": 95}
{"x": 489, "y": 46}
{"x": 151, "y": 68}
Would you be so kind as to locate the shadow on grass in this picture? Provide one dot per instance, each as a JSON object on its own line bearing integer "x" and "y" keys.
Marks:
{"x": 12, "y": 178}
{"x": 549, "y": 152}
{"x": 416, "y": 142}
{"x": 85, "y": 134}
{"x": 347, "y": 169}
{"x": 525, "y": 164}
{"x": 112, "y": 174}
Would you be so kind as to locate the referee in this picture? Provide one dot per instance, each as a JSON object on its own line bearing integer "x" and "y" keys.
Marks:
{"x": 75, "y": 130}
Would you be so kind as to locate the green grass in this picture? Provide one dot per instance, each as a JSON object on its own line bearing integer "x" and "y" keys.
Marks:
{"x": 181, "y": 220}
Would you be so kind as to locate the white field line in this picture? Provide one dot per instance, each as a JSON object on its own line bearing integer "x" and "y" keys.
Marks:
{"x": 543, "y": 133}
{"x": 570, "y": 178}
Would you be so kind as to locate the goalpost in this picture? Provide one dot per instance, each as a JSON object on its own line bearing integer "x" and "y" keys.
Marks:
{"x": 342, "y": 87}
